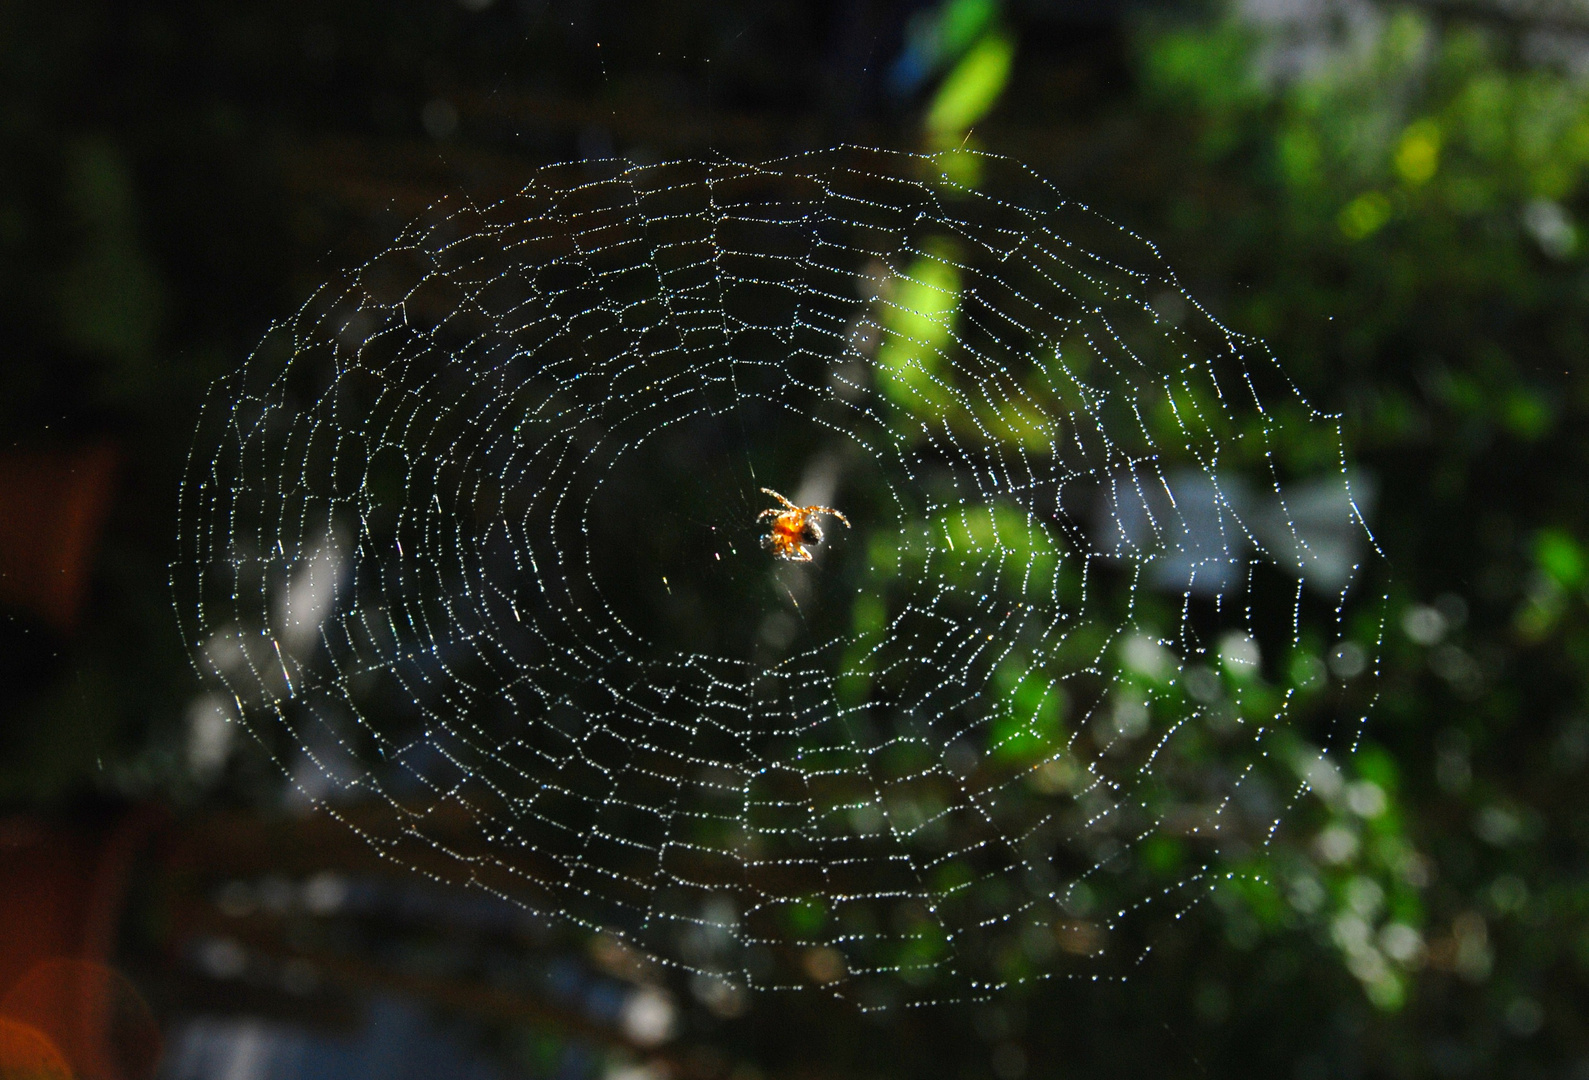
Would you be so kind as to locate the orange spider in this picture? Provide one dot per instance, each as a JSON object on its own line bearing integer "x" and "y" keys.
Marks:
{"x": 794, "y": 527}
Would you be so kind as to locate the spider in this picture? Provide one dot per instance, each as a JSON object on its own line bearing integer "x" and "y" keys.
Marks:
{"x": 794, "y": 527}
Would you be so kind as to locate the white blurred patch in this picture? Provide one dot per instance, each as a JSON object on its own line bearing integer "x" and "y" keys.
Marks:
{"x": 649, "y": 1016}
{"x": 211, "y": 731}
{"x": 1402, "y": 943}
{"x": 1187, "y": 527}
{"x": 632, "y": 1071}
{"x": 820, "y": 481}
{"x": 1315, "y": 529}
{"x": 1423, "y": 624}
{"x": 1348, "y": 660}
{"x": 1551, "y": 227}
{"x": 1131, "y": 717}
{"x": 1366, "y": 799}
{"x": 1240, "y": 654}
{"x": 325, "y": 893}
{"x": 1336, "y": 845}
{"x": 1146, "y": 656}
{"x": 225, "y": 653}
{"x": 220, "y": 958}
{"x": 1196, "y": 532}
{"x": 309, "y": 595}
{"x": 1322, "y": 777}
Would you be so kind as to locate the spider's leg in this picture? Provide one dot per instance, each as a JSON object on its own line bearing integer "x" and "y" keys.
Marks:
{"x": 780, "y": 498}
{"x": 830, "y": 512}
{"x": 800, "y": 554}
{"x": 770, "y": 512}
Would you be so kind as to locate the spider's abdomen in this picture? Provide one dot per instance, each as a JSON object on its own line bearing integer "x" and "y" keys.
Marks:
{"x": 787, "y": 527}
{"x": 789, "y": 533}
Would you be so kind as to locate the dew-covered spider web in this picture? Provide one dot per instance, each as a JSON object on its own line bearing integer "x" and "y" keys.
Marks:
{"x": 472, "y": 543}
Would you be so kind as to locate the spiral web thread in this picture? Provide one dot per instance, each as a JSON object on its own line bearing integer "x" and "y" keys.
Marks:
{"x": 472, "y": 544}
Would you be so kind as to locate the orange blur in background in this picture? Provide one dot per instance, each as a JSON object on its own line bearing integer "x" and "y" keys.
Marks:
{"x": 64, "y": 1011}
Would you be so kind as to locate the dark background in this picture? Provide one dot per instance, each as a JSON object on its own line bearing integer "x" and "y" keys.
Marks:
{"x": 1388, "y": 195}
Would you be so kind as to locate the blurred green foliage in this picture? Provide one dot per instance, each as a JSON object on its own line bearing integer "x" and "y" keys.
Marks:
{"x": 1395, "y": 209}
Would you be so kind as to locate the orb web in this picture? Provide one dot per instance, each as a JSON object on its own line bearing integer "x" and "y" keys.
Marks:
{"x": 472, "y": 543}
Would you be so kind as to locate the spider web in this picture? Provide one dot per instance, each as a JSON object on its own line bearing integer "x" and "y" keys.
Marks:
{"x": 472, "y": 544}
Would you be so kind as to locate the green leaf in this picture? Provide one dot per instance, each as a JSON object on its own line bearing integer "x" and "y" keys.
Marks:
{"x": 972, "y": 88}
{"x": 1561, "y": 558}
{"x": 912, "y": 370}
{"x": 1029, "y": 722}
